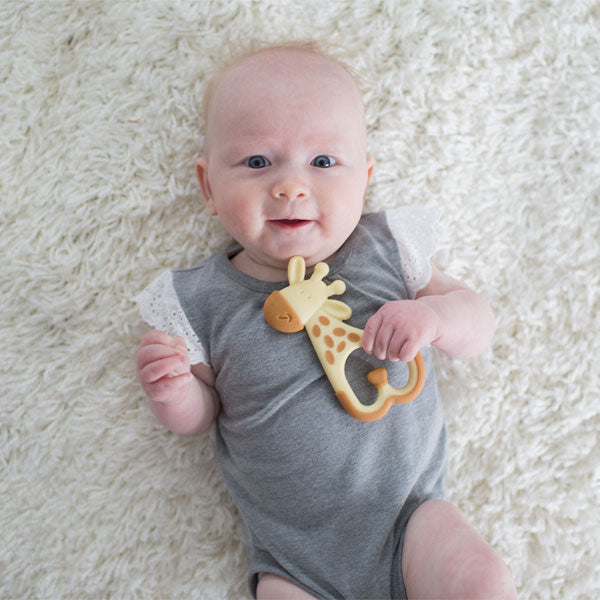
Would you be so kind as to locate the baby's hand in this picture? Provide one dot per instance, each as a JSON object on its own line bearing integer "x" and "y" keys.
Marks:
{"x": 399, "y": 329}
{"x": 163, "y": 367}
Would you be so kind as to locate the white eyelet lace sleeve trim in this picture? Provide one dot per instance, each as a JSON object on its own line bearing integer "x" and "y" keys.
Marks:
{"x": 160, "y": 308}
{"x": 413, "y": 230}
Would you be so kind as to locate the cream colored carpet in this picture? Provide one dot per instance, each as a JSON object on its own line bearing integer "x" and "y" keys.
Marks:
{"x": 488, "y": 110}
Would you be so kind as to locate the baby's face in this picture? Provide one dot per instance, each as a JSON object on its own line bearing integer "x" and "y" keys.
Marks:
{"x": 287, "y": 167}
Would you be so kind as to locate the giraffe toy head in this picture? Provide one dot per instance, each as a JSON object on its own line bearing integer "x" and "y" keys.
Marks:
{"x": 288, "y": 310}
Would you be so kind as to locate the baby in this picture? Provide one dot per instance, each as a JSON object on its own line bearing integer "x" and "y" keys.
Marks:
{"x": 333, "y": 507}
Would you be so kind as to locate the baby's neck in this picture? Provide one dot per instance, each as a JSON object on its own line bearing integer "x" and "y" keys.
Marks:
{"x": 246, "y": 264}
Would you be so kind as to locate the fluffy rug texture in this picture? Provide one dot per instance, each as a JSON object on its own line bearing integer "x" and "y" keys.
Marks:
{"x": 488, "y": 110}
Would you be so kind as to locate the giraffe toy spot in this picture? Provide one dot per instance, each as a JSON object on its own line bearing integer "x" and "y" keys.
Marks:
{"x": 328, "y": 341}
{"x": 354, "y": 337}
{"x": 316, "y": 331}
{"x": 341, "y": 346}
{"x": 324, "y": 320}
{"x": 329, "y": 357}
{"x": 339, "y": 331}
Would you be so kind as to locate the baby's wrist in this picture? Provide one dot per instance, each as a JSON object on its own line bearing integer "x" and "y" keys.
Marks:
{"x": 436, "y": 305}
{"x": 438, "y": 316}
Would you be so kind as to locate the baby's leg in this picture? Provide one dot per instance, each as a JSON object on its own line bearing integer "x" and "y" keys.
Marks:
{"x": 444, "y": 557}
{"x": 274, "y": 587}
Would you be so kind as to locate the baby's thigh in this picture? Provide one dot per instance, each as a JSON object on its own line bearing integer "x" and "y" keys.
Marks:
{"x": 274, "y": 587}
{"x": 443, "y": 556}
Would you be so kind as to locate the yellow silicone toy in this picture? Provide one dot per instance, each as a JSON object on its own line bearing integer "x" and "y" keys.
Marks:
{"x": 306, "y": 304}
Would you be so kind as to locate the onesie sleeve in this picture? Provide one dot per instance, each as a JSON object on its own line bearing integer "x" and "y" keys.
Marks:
{"x": 413, "y": 230}
{"x": 159, "y": 306}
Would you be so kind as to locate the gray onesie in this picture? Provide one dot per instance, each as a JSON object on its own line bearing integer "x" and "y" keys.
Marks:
{"x": 325, "y": 498}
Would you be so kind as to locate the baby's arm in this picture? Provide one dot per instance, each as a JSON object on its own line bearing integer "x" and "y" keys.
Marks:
{"x": 182, "y": 396}
{"x": 446, "y": 313}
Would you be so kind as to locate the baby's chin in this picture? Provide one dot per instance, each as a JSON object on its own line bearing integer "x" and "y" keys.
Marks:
{"x": 270, "y": 258}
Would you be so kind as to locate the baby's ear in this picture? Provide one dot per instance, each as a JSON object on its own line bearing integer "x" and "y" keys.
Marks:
{"x": 202, "y": 172}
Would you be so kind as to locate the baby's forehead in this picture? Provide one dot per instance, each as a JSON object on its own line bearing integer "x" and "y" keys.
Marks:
{"x": 281, "y": 88}
{"x": 283, "y": 69}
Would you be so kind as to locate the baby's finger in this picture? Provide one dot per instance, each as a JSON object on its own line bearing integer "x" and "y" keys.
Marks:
{"x": 164, "y": 389}
{"x": 153, "y": 352}
{"x": 180, "y": 343}
{"x": 382, "y": 341}
{"x": 165, "y": 367}
{"x": 395, "y": 347}
{"x": 160, "y": 337}
{"x": 409, "y": 351}
{"x": 155, "y": 336}
{"x": 370, "y": 332}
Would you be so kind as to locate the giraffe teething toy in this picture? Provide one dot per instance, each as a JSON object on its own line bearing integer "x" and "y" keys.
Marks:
{"x": 305, "y": 304}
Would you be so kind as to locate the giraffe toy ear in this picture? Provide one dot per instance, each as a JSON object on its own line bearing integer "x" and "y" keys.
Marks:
{"x": 337, "y": 288}
{"x": 337, "y": 309}
{"x": 321, "y": 271}
{"x": 296, "y": 269}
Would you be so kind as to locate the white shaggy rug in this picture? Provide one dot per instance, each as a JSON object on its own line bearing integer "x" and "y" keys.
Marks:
{"x": 489, "y": 110}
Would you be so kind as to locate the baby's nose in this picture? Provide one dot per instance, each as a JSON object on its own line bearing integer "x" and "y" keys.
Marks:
{"x": 290, "y": 188}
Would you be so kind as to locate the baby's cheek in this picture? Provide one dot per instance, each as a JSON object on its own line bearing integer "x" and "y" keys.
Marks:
{"x": 240, "y": 220}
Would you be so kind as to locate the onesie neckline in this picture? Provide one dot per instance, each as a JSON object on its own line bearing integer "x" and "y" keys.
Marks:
{"x": 223, "y": 263}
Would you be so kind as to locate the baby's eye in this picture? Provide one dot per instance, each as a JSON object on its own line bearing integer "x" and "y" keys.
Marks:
{"x": 257, "y": 162}
{"x": 323, "y": 162}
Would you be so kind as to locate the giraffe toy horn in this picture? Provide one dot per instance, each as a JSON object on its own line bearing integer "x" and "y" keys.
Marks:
{"x": 305, "y": 303}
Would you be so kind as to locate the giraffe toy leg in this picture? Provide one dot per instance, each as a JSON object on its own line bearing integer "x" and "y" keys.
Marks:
{"x": 386, "y": 394}
{"x": 416, "y": 380}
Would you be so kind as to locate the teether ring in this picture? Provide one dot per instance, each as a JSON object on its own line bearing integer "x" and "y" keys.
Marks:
{"x": 305, "y": 304}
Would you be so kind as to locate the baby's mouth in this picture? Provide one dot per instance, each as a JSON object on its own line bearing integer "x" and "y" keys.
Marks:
{"x": 290, "y": 223}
